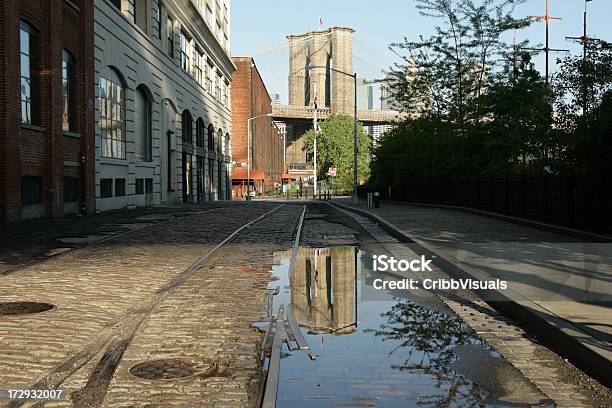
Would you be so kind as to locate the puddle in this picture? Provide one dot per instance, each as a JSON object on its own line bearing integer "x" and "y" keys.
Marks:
{"x": 376, "y": 349}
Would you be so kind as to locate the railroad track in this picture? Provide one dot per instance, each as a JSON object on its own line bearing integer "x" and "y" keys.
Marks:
{"x": 114, "y": 341}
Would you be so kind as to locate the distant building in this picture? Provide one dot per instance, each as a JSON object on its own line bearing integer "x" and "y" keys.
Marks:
{"x": 365, "y": 95}
{"x": 276, "y": 100}
{"x": 250, "y": 99}
{"x": 47, "y": 147}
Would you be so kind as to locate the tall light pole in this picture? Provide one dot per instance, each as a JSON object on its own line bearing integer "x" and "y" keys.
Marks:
{"x": 355, "y": 151}
{"x": 249, "y": 152}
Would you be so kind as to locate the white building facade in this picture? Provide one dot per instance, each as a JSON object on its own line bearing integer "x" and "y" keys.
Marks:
{"x": 163, "y": 109}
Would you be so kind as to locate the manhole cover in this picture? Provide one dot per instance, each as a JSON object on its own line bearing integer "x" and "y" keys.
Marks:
{"x": 21, "y": 308}
{"x": 169, "y": 369}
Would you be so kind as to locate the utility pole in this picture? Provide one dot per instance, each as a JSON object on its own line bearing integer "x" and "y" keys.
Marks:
{"x": 315, "y": 139}
{"x": 584, "y": 39}
{"x": 547, "y": 18}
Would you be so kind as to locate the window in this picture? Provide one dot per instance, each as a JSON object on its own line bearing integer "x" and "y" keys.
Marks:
{"x": 208, "y": 15}
{"x": 140, "y": 15}
{"x": 158, "y": 14}
{"x": 142, "y": 125}
{"x": 112, "y": 116}
{"x": 28, "y": 45}
{"x": 218, "y": 87}
{"x": 209, "y": 77}
{"x": 106, "y": 188}
{"x": 225, "y": 42}
{"x": 198, "y": 60}
{"x": 68, "y": 91}
{"x": 170, "y": 36}
{"x": 117, "y": 3}
{"x": 211, "y": 137}
{"x": 149, "y": 185}
{"x": 139, "y": 186}
{"x": 219, "y": 140}
{"x": 200, "y": 132}
{"x": 227, "y": 144}
{"x": 31, "y": 190}
{"x": 218, "y": 30}
{"x": 71, "y": 189}
{"x": 119, "y": 187}
{"x": 187, "y": 126}
{"x": 185, "y": 47}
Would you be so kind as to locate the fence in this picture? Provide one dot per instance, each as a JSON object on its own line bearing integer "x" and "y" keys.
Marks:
{"x": 564, "y": 200}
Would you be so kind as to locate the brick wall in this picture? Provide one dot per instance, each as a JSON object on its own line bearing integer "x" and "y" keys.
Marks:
{"x": 250, "y": 98}
{"x": 44, "y": 150}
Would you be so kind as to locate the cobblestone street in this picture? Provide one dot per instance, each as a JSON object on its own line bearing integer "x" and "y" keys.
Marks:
{"x": 162, "y": 315}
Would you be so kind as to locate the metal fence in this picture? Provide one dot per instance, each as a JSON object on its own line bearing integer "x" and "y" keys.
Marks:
{"x": 564, "y": 200}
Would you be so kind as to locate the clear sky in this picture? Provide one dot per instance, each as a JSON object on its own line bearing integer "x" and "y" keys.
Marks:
{"x": 260, "y": 27}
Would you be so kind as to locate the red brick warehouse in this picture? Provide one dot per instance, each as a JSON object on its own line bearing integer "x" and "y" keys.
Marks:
{"x": 46, "y": 109}
{"x": 250, "y": 99}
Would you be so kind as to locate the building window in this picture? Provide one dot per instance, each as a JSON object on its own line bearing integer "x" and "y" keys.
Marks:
{"x": 119, "y": 187}
{"x": 31, "y": 190}
{"x": 227, "y": 144}
{"x": 187, "y": 126}
{"x": 68, "y": 91}
{"x": 158, "y": 14}
{"x": 185, "y": 46}
{"x": 112, "y": 116}
{"x": 28, "y": 45}
{"x": 225, "y": 42}
{"x": 209, "y": 77}
{"x": 170, "y": 36}
{"x": 106, "y": 188}
{"x": 142, "y": 125}
{"x": 219, "y": 140}
{"x": 139, "y": 186}
{"x": 200, "y": 132}
{"x": 141, "y": 15}
{"x": 71, "y": 189}
{"x": 218, "y": 87}
{"x": 218, "y": 30}
{"x": 117, "y": 3}
{"x": 211, "y": 137}
{"x": 208, "y": 15}
{"x": 198, "y": 61}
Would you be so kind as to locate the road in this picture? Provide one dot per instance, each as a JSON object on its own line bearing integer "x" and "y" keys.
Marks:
{"x": 161, "y": 315}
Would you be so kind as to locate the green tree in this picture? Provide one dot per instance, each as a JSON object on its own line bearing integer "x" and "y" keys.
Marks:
{"x": 335, "y": 149}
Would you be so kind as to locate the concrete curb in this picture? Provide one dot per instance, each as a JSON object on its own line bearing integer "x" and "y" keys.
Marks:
{"x": 557, "y": 333}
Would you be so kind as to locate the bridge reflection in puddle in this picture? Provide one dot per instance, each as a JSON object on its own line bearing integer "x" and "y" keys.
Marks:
{"x": 373, "y": 351}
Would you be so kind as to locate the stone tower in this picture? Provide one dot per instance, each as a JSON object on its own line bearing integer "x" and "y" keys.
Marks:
{"x": 311, "y": 57}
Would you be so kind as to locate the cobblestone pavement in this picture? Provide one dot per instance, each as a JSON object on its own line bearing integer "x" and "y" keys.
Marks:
{"x": 95, "y": 289}
{"x": 554, "y": 376}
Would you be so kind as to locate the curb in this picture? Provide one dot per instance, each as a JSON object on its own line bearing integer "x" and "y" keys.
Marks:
{"x": 557, "y": 333}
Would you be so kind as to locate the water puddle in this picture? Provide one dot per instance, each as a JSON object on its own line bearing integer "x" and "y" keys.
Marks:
{"x": 375, "y": 349}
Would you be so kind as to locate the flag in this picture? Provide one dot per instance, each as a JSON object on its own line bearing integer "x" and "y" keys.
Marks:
{"x": 320, "y": 21}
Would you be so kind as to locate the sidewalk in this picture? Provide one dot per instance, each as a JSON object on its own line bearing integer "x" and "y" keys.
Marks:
{"x": 31, "y": 241}
{"x": 558, "y": 285}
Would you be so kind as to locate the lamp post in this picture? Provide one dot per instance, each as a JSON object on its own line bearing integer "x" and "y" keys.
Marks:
{"x": 354, "y": 76}
{"x": 249, "y": 152}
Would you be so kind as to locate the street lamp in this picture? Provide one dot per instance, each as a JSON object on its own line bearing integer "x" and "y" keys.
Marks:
{"x": 354, "y": 76}
{"x": 249, "y": 151}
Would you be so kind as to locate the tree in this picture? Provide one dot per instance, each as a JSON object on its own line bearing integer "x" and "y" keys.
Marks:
{"x": 335, "y": 149}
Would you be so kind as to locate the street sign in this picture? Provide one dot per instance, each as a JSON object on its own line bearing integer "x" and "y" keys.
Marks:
{"x": 332, "y": 171}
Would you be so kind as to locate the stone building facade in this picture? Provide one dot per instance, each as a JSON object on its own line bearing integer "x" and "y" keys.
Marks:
{"x": 46, "y": 109}
{"x": 163, "y": 118}
{"x": 250, "y": 99}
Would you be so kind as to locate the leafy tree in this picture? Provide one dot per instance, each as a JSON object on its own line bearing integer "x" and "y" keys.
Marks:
{"x": 335, "y": 149}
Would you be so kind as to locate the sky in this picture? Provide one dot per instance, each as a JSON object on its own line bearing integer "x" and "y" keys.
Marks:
{"x": 260, "y": 27}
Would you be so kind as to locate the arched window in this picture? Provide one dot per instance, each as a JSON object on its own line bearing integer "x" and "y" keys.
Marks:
{"x": 200, "y": 132}
{"x": 69, "y": 104}
{"x": 227, "y": 144}
{"x": 219, "y": 140}
{"x": 142, "y": 125}
{"x": 112, "y": 115}
{"x": 187, "y": 127}
{"x": 211, "y": 137}
{"x": 28, "y": 47}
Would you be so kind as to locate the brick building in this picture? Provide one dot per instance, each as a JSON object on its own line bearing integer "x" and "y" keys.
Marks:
{"x": 46, "y": 109}
{"x": 250, "y": 99}
{"x": 163, "y": 118}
